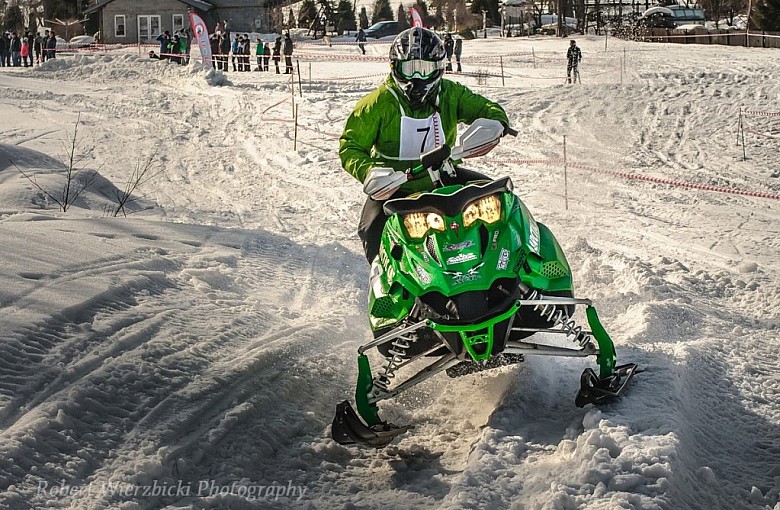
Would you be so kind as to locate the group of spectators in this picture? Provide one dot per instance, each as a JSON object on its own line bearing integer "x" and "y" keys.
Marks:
{"x": 16, "y": 51}
{"x": 176, "y": 47}
{"x": 237, "y": 51}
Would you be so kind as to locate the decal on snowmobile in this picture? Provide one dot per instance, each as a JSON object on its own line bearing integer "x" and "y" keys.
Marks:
{"x": 461, "y": 258}
{"x": 459, "y": 246}
{"x": 503, "y": 259}
{"x": 423, "y": 275}
{"x": 533, "y": 235}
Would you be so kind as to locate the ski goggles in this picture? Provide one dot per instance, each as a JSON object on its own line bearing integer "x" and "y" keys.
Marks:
{"x": 419, "y": 68}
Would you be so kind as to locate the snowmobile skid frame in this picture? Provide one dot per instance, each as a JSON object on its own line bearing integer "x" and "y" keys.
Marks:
{"x": 365, "y": 426}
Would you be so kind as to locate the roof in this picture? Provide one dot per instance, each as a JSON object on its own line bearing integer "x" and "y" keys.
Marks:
{"x": 197, "y": 4}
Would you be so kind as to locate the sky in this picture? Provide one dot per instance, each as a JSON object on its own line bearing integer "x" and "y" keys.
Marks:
{"x": 188, "y": 353}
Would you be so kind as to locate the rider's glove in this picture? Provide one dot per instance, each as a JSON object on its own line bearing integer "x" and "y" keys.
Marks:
{"x": 382, "y": 182}
{"x": 492, "y": 125}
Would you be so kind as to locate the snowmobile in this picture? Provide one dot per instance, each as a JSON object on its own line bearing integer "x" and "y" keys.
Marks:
{"x": 467, "y": 278}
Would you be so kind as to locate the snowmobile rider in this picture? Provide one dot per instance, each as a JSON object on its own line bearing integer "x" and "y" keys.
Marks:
{"x": 414, "y": 111}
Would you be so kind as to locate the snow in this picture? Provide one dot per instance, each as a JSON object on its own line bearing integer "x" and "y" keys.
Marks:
{"x": 190, "y": 355}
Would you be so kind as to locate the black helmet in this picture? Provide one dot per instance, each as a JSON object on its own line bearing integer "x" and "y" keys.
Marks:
{"x": 417, "y": 61}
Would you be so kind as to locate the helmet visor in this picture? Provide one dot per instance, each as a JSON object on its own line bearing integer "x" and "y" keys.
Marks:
{"x": 419, "y": 68}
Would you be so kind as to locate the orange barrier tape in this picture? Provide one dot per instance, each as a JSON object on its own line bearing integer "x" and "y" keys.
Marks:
{"x": 765, "y": 135}
{"x": 760, "y": 113}
{"x": 637, "y": 177}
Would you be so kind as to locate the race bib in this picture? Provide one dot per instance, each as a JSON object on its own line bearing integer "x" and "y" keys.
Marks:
{"x": 419, "y": 136}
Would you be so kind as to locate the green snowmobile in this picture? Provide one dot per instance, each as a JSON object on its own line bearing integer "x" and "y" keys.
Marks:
{"x": 465, "y": 276}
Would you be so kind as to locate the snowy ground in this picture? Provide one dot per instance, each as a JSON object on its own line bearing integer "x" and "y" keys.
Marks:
{"x": 191, "y": 354}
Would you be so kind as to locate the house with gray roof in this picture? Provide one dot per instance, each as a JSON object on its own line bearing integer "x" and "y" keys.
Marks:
{"x": 141, "y": 21}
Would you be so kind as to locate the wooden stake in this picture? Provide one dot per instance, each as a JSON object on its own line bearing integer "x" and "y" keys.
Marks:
{"x": 300, "y": 86}
{"x": 534, "y": 56}
{"x": 565, "y": 176}
{"x": 295, "y": 131}
{"x": 501, "y": 60}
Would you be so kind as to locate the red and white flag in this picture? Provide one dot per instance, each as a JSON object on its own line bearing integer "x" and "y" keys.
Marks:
{"x": 202, "y": 39}
{"x": 416, "y": 19}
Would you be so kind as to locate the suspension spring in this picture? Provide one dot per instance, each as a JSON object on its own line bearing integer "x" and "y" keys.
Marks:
{"x": 396, "y": 353}
{"x": 558, "y": 317}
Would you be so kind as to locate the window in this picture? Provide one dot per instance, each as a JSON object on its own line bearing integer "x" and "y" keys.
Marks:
{"x": 148, "y": 28}
{"x": 119, "y": 25}
{"x": 178, "y": 22}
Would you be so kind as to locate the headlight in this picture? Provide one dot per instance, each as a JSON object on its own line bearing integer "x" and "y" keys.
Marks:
{"x": 487, "y": 209}
{"x": 418, "y": 224}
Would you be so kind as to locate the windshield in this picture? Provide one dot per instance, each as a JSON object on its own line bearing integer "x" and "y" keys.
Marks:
{"x": 377, "y": 26}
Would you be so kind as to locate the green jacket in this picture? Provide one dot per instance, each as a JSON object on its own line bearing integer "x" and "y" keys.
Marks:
{"x": 375, "y": 125}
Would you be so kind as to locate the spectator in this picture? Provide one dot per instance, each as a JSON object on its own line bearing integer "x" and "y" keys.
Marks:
{"x": 234, "y": 51}
{"x": 165, "y": 40}
{"x": 361, "y": 40}
{"x": 448, "y": 49}
{"x": 266, "y": 56}
{"x": 288, "y": 50}
{"x": 173, "y": 48}
{"x": 214, "y": 44}
{"x": 277, "y": 51}
{"x": 186, "y": 44}
{"x": 259, "y": 52}
{"x": 44, "y": 41}
{"x": 245, "y": 52}
{"x": 16, "y": 50}
{"x": 25, "y": 52}
{"x": 224, "y": 49}
{"x": 38, "y": 47}
{"x": 458, "y": 49}
{"x": 3, "y": 48}
{"x": 574, "y": 57}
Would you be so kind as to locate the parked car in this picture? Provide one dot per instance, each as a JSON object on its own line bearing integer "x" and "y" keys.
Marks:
{"x": 383, "y": 29}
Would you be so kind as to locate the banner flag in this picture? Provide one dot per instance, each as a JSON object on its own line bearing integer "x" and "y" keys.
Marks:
{"x": 202, "y": 39}
{"x": 416, "y": 19}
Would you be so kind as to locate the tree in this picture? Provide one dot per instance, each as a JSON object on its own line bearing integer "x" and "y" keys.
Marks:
{"x": 382, "y": 11}
{"x": 345, "y": 17}
{"x": 767, "y": 15}
{"x": 491, "y": 6}
{"x": 14, "y": 19}
{"x": 307, "y": 13}
{"x": 291, "y": 20}
{"x": 363, "y": 18}
{"x": 403, "y": 17}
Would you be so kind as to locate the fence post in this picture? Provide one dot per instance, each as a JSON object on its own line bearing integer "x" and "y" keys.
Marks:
{"x": 295, "y": 132}
{"x": 300, "y": 85}
{"x": 565, "y": 177}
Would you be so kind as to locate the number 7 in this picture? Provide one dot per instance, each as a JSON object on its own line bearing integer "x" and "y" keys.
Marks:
{"x": 425, "y": 138}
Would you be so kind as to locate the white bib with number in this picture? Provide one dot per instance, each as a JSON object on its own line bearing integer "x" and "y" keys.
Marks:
{"x": 419, "y": 136}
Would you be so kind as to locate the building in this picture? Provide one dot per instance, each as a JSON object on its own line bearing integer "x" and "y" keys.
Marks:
{"x": 141, "y": 21}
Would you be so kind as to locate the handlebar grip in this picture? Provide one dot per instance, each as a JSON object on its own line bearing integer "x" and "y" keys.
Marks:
{"x": 510, "y": 131}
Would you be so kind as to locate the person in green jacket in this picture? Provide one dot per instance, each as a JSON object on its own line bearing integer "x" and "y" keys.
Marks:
{"x": 413, "y": 111}
{"x": 259, "y": 52}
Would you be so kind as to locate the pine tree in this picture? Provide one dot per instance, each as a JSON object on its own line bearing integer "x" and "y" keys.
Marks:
{"x": 403, "y": 17}
{"x": 291, "y": 20}
{"x": 363, "y": 18}
{"x": 345, "y": 17}
{"x": 491, "y": 6}
{"x": 307, "y": 13}
{"x": 14, "y": 19}
{"x": 767, "y": 15}
{"x": 382, "y": 11}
